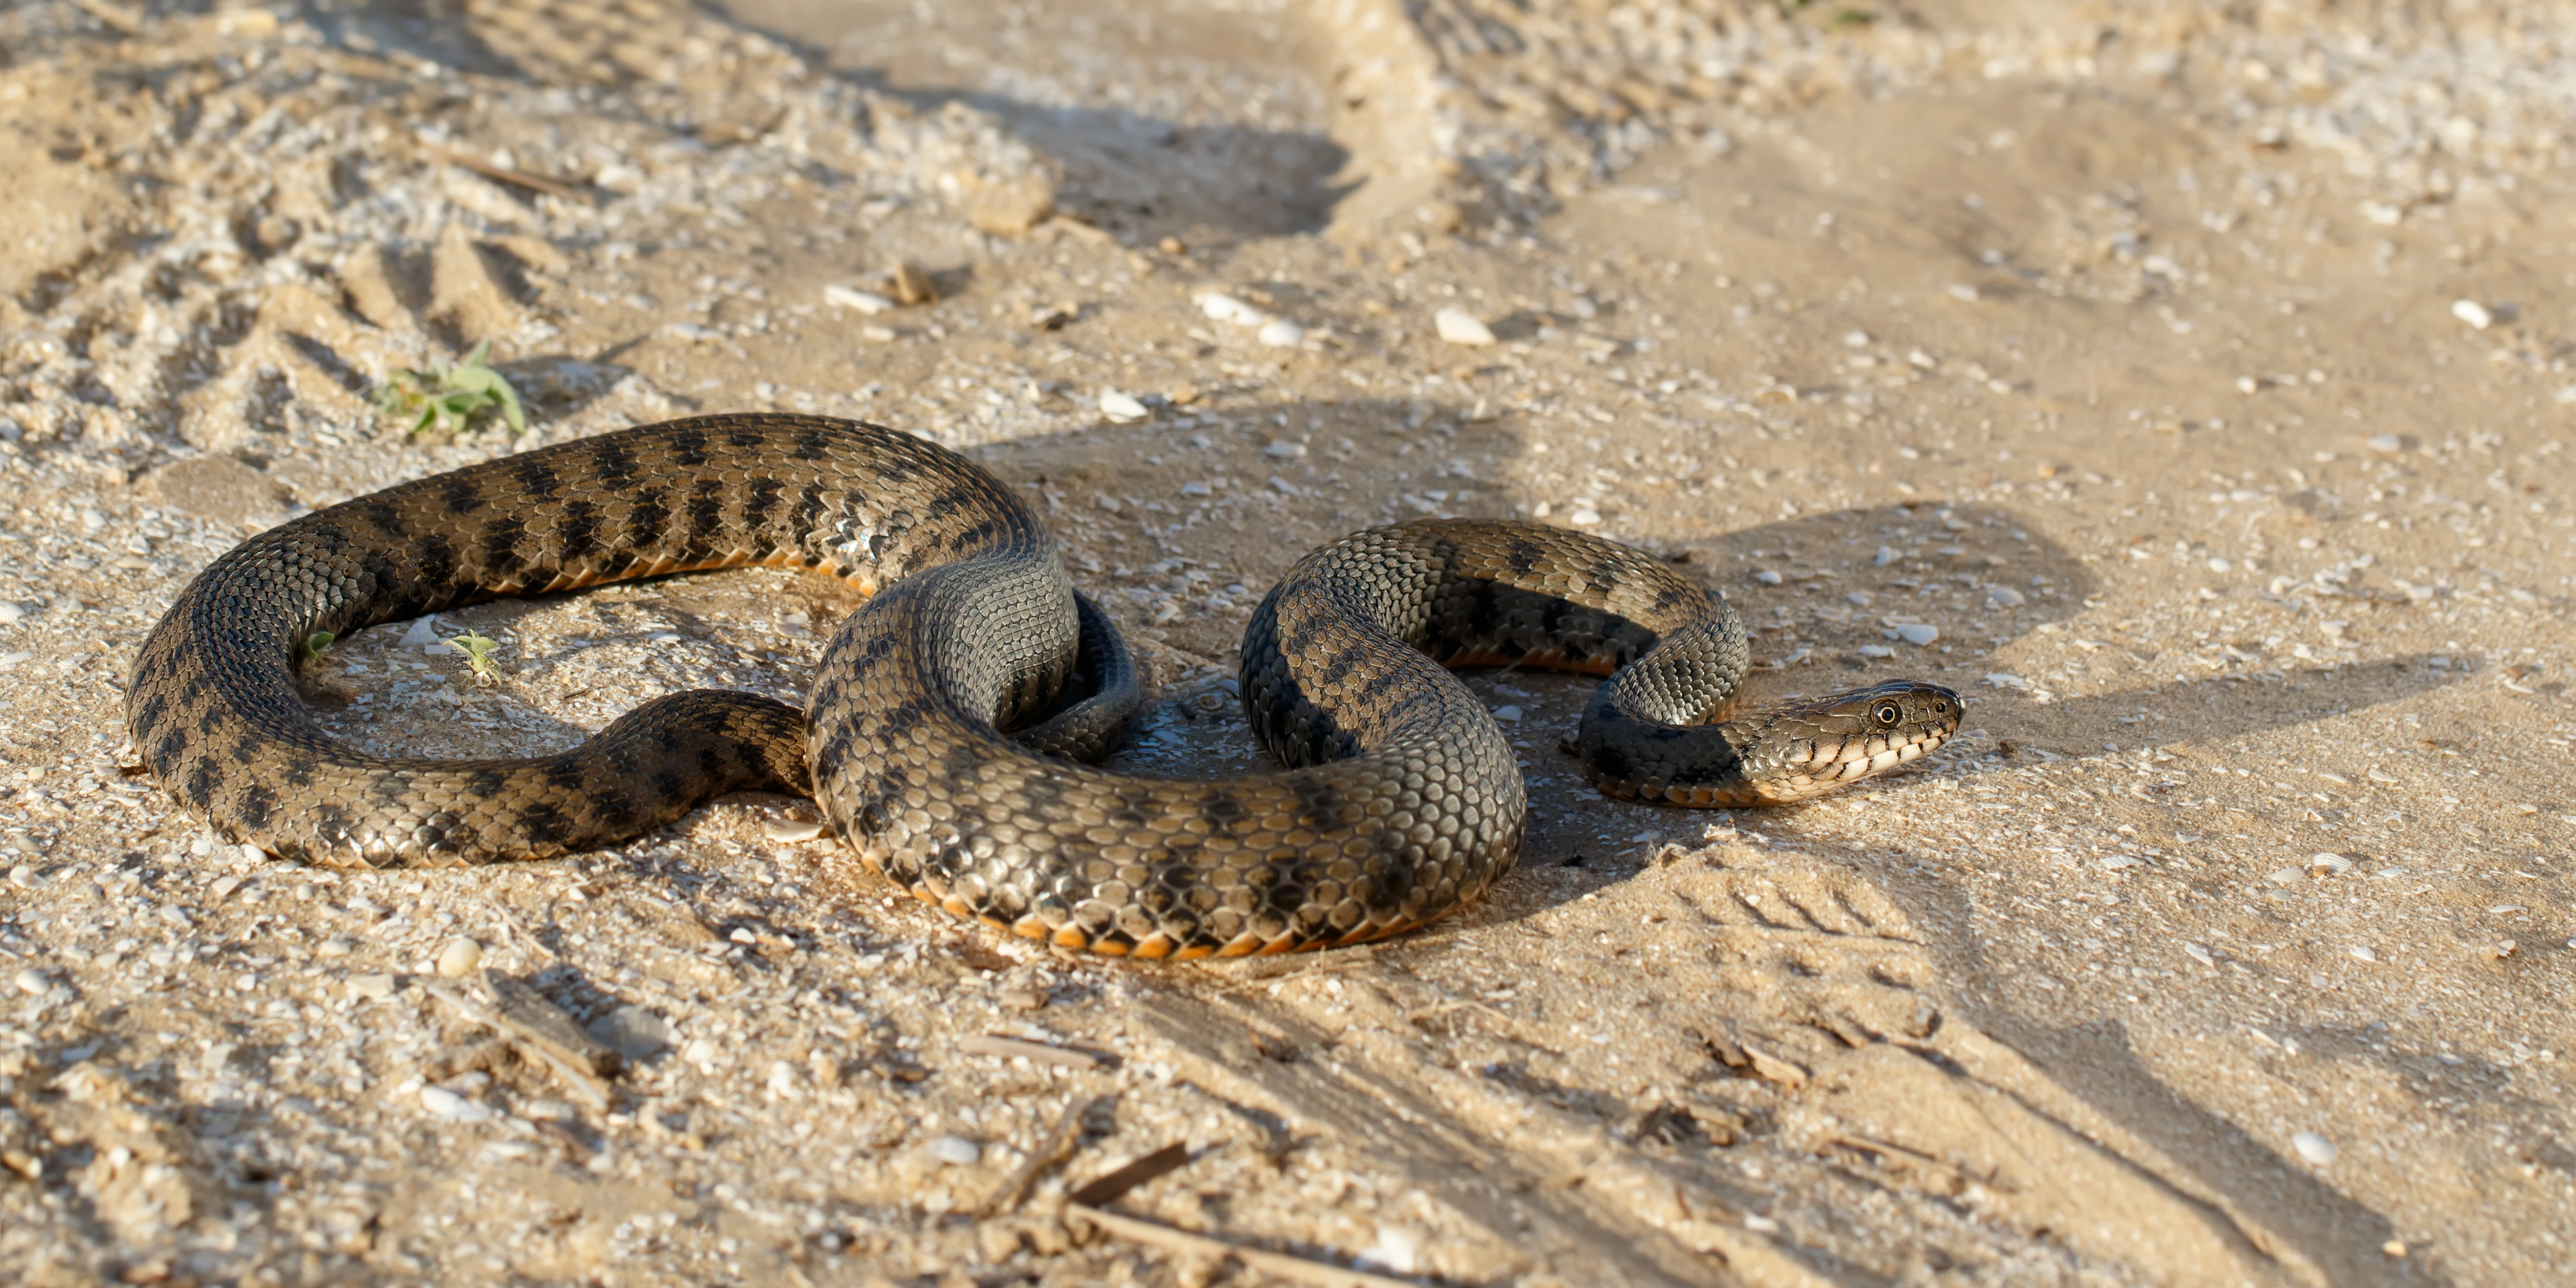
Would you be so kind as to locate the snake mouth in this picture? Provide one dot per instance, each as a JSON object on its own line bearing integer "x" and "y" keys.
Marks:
{"x": 1798, "y": 750}
{"x": 1807, "y": 748}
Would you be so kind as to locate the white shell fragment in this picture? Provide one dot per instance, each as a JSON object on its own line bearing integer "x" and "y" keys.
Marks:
{"x": 1458, "y": 326}
{"x": 847, "y": 297}
{"x": 446, "y": 1104}
{"x": 1917, "y": 633}
{"x": 1121, "y": 407}
{"x": 460, "y": 957}
{"x": 2314, "y": 1148}
{"x": 1225, "y": 308}
{"x": 791, "y": 831}
{"x": 956, "y": 1151}
{"x": 1280, "y": 333}
{"x": 2473, "y": 313}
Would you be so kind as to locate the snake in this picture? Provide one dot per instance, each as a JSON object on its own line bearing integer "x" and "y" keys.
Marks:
{"x": 955, "y": 715}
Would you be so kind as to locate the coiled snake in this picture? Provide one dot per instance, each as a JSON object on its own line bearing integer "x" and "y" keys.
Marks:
{"x": 949, "y": 711}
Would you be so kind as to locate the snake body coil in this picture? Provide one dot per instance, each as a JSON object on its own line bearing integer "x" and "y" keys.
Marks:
{"x": 948, "y": 712}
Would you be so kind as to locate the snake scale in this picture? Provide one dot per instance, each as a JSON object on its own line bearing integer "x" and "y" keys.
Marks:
{"x": 951, "y": 712}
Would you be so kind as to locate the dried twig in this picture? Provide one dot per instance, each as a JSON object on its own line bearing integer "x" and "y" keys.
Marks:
{"x": 122, "y": 18}
{"x": 1300, "y": 1270}
{"x": 504, "y": 174}
{"x": 1110, "y": 1188}
{"x": 1037, "y": 1052}
{"x": 538, "y": 1029}
{"x": 1058, "y": 1146}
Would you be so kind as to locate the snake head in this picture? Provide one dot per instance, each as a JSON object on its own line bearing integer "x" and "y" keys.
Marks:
{"x": 1810, "y": 746}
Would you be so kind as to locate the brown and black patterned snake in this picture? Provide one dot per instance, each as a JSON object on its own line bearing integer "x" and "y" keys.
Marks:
{"x": 951, "y": 711}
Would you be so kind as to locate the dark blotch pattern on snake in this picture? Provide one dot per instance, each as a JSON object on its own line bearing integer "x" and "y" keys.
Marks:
{"x": 947, "y": 711}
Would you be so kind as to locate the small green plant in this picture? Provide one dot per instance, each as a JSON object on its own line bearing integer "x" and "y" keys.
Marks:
{"x": 478, "y": 655}
{"x": 450, "y": 396}
{"x": 318, "y": 643}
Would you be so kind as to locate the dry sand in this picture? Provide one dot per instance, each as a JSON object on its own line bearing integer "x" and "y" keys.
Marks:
{"x": 2185, "y": 383}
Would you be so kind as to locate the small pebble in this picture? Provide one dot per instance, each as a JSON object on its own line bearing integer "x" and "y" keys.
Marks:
{"x": 1280, "y": 333}
{"x": 633, "y": 1031}
{"x": 1283, "y": 450}
{"x": 1584, "y": 518}
{"x": 2314, "y": 1148}
{"x": 2473, "y": 313}
{"x": 1225, "y": 308}
{"x": 2005, "y": 597}
{"x": 1508, "y": 715}
{"x": 1875, "y": 651}
{"x": 459, "y": 957}
{"x": 1917, "y": 633}
{"x": 334, "y": 948}
{"x": 1121, "y": 407}
{"x": 374, "y": 988}
{"x": 1769, "y": 577}
{"x": 1397, "y": 1250}
{"x": 912, "y": 284}
{"x": 2389, "y": 443}
{"x": 446, "y": 1104}
{"x": 1458, "y": 326}
{"x": 956, "y": 1151}
{"x": 32, "y": 982}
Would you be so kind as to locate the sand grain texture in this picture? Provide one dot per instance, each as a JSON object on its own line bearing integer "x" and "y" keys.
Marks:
{"x": 2187, "y": 384}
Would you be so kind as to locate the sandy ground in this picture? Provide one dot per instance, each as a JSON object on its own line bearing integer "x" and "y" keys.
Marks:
{"x": 2186, "y": 384}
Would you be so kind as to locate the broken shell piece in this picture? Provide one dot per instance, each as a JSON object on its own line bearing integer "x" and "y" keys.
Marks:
{"x": 1458, "y": 326}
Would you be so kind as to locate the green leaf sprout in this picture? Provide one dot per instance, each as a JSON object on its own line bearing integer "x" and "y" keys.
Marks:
{"x": 478, "y": 655}
{"x": 449, "y": 397}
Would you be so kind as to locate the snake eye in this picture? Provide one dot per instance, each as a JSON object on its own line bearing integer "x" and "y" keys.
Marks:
{"x": 1888, "y": 714}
